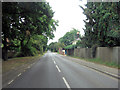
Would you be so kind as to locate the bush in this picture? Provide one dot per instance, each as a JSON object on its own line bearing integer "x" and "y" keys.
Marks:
{"x": 70, "y": 47}
{"x": 28, "y": 50}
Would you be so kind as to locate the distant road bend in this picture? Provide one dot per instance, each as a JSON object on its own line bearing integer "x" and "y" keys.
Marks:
{"x": 57, "y": 71}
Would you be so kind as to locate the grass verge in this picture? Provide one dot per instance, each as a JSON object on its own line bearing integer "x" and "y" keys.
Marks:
{"x": 99, "y": 61}
{"x": 18, "y": 61}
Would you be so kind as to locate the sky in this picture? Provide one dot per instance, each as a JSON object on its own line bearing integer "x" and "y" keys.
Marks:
{"x": 69, "y": 15}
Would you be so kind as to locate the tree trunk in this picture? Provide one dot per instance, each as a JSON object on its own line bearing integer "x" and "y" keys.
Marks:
{"x": 4, "y": 50}
{"x": 28, "y": 40}
{"x": 4, "y": 54}
{"x": 22, "y": 47}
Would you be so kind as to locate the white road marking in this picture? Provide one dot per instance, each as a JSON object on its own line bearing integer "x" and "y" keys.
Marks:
{"x": 10, "y": 81}
{"x": 66, "y": 83}
{"x": 28, "y": 66}
{"x": 58, "y": 68}
{"x": 19, "y": 74}
{"x": 54, "y": 62}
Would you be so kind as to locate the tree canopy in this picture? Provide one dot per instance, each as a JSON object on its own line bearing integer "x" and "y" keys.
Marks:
{"x": 69, "y": 37}
{"x": 102, "y": 26}
{"x": 26, "y": 23}
{"x": 54, "y": 46}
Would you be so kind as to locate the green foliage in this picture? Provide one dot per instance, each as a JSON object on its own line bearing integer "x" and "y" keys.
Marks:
{"x": 54, "y": 46}
{"x": 22, "y": 22}
{"x": 99, "y": 61}
{"x": 28, "y": 51}
{"x": 35, "y": 45}
{"x": 69, "y": 37}
{"x": 102, "y": 25}
{"x": 81, "y": 43}
{"x": 70, "y": 47}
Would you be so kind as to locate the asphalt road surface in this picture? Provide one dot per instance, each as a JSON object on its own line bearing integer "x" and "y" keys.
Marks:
{"x": 55, "y": 71}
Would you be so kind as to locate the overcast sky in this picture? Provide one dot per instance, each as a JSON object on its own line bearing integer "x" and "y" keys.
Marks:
{"x": 69, "y": 15}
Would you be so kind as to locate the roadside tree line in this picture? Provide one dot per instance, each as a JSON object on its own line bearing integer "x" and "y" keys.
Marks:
{"x": 66, "y": 41}
{"x": 102, "y": 27}
{"x": 26, "y": 27}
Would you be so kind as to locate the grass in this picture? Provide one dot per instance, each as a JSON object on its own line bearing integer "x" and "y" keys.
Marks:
{"x": 58, "y": 52}
{"x": 17, "y": 62}
{"x": 99, "y": 61}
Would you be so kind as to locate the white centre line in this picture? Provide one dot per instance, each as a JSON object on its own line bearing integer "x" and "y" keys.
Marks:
{"x": 10, "y": 81}
{"x": 19, "y": 74}
{"x": 66, "y": 83}
{"x": 28, "y": 66}
{"x": 58, "y": 68}
{"x": 54, "y": 62}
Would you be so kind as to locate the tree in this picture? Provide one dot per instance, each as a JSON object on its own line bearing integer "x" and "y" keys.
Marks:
{"x": 23, "y": 20}
{"x": 102, "y": 24}
{"x": 54, "y": 46}
{"x": 69, "y": 37}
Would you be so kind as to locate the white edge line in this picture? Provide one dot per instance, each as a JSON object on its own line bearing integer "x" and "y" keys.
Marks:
{"x": 58, "y": 68}
{"x": 10, "y": 81}
{"x": 19, "y": 74}
{"x": 66, "y": 83}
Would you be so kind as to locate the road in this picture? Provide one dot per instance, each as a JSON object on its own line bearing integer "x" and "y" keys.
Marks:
{"x": 55, "y": 71}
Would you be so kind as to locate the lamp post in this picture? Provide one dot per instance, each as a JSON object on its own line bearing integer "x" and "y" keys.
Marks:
{"x": 74, "y": 45}
{"x": 75, "y": 40}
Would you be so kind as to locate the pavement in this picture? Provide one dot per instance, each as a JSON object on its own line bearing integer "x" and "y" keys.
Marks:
{"x": 101, "y": 68}
{"x": 57, "y": 71}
